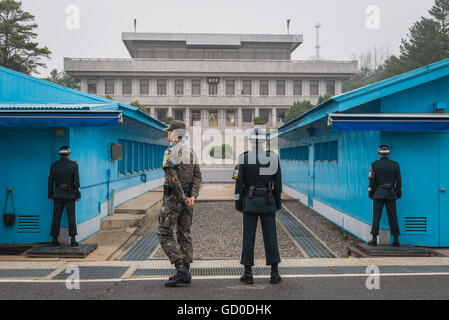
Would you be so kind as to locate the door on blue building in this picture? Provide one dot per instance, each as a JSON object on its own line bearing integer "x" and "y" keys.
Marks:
{"x": 419, "y": 209}
{"x": 444, "y": 189}
{"x": 25, "y": 160}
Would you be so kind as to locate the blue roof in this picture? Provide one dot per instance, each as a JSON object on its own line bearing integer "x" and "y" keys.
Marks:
{"x": 19, "y": 91}
{"x": 367, "y": 94}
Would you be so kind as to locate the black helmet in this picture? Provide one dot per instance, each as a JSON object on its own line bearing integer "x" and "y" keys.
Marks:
{"x": 65, "y": 150}
{"x": 383, "y": 149}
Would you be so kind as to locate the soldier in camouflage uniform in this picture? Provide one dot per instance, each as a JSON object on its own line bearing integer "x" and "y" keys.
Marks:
{"x": 181, "y": 188}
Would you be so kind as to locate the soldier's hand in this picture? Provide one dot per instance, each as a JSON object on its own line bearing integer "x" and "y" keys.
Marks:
{"x": 190, "y": 202}
{"x": 51, "y": 199}
{"x": 77, "y": 200}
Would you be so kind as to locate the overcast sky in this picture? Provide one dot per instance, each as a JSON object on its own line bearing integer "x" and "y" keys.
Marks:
{"x": 344, "y": 31}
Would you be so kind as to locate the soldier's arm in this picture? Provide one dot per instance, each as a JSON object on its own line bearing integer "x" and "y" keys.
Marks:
{"x": 277, "y": 192}
{"x": 76, "y": 182}
{"x": 51, "y": 182}
{"x": 398, "y": 187}
{"x": 197, "y": 177}
{"x": 372, "y": 182}
{"x": 240, "y": 187}
{"x": 175, "y": 184}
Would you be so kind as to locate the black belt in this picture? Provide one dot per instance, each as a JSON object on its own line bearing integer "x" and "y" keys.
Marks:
{"x": 186, "y": 187}
{"x": 64, "y": 187}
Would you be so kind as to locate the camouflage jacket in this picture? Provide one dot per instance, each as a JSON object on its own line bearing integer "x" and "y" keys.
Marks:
{"x": 181, "y": 167}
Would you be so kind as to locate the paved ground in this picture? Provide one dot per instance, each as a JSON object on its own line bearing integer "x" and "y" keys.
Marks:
{"x": 341, "y": 288}
{"x": 217, "y": 233}
{"x": 335, "y": 237}
{"x": 216, "y": 174}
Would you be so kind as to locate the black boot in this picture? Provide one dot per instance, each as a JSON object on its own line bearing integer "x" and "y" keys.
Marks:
{"x": 73, "y": 243}
{"x": 373, "y": 242}
{"x": 189, "y": 281}
{"x": 396, "y": 242}
{"x": 248, "y": 275}
{"x": 55, "y": 242}
{"x": 181, "y": 277}
{"x": 275, "y": 276}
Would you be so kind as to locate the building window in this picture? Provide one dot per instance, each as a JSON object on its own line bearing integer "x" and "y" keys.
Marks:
{"x": 92, "y": 86}
{"x": 179, "y": 87}
{"x": 139, "y": 157}
{"x": 263, "y": 87}
{"x": 330, "y": 87}
{"x": 280, "y": 115}
{"x": 297, "y": 87}
{"x": 230, "y": 87}
{"x": 109, "y": 86}
{"x": 314, "y": 87}
{"x": 196, "y": 87}
{"x": 179, "y": 114}
{"x": 326, "y": 151}
{"x": 127, "y": 87}
{"x": 144, "y": 87}
{"x": 161, "y": 87}
{"x": 230, "y": 118}
{"x": 213, "y": 89}
{"x": 213, "y": 119}
{"x": 161, "y": 114}
{"x": 280, "y": 87}
{"x": 247, "y": 115}
{"x": 247, "y": 87}
{"x": 264, "y": 113}
{"x": 196, "y": 118}
{"x": 122, "y": 163}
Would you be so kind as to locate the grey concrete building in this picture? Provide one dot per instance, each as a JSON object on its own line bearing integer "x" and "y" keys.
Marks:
{"x": 212, "y": 80}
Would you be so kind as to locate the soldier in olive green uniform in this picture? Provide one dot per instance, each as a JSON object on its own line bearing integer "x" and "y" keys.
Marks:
{"x": 258, "y": 191}
{"x": 385, "y": 187}
{"x": 181, "y": 188}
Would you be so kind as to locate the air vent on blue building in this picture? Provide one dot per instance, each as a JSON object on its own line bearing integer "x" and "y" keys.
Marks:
{"x": 416, "y": 224}
{"x": 28, "y": 224}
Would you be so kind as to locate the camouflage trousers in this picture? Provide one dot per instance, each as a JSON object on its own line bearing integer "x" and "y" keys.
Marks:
{"x": 175, "y": 214}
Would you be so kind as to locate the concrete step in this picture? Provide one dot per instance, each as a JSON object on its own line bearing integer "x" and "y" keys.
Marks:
{"x": 140, "y": 205}
{"x": 123, "y": 221}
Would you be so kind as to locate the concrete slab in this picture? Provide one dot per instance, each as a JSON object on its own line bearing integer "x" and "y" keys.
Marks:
{"x": 390, "y": 251}
{"x": 46, "y": 250}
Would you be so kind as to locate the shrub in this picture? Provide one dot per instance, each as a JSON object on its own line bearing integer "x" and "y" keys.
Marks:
{"x": 260, "y": 121}
{"x": 221, "y": 152}
{"x": 167, "y": 120}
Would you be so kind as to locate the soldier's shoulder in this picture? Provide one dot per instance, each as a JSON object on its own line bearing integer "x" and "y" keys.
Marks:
{"x": 242, "y": 155}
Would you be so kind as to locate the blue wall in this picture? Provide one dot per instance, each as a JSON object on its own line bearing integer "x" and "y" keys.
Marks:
{"x": 343, "y": 184}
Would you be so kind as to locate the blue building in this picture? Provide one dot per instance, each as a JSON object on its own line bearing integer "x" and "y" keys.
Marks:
{"x": 326, "y": 154}
{"x": 38, "y": 117}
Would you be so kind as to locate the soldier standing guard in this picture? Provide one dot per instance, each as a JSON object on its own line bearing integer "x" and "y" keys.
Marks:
{"x": 258, "y": 191}
{"x": 385, "y": 187}
{"x": 64, "y": 190}
{"x": 181, "y": 188}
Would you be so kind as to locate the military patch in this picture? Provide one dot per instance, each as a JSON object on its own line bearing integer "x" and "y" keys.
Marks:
{"x": 371, "y": 173}
{"x": 166, "y": 163}
{"x": 235, "y": 174}
{"x": 237, "y": 197}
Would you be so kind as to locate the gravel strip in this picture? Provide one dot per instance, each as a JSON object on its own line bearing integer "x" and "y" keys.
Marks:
{"x": 217, "y": 233}
{"x": 335, "y": 237}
